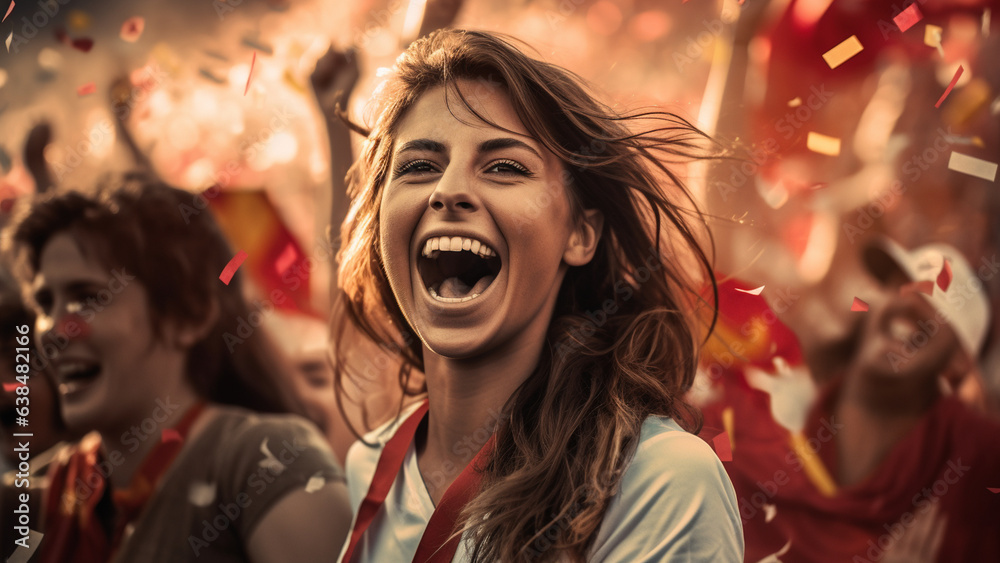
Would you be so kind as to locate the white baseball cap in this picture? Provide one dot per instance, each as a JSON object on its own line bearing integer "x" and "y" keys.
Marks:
{"x": 964, "y": 305}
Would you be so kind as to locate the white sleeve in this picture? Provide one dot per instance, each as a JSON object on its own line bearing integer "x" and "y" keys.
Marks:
{"x": 676, "y": 504}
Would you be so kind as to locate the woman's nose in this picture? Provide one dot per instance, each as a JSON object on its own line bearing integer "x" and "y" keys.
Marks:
{"x": 453, "y": 194}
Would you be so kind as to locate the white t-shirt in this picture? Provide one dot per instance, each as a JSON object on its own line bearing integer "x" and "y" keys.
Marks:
{"x": 676, "y": 504}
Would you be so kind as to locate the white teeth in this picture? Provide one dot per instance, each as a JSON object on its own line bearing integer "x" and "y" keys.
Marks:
{"x": 456, "y": 244}
{"x": 435, "y": 295}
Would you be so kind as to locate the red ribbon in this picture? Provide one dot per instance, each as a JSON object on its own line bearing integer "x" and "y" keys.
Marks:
{"x": 437, "y": 544}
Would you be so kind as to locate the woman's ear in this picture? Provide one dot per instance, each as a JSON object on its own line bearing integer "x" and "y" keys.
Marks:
{"x": 584, "y": 238}
{"x": 186, "y": 335}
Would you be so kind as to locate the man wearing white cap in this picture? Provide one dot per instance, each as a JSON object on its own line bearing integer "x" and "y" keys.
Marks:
{"x": 889, "y": 468}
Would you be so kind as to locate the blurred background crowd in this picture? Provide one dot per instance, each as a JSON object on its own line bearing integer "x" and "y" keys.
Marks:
{"x": 841, "y": 172}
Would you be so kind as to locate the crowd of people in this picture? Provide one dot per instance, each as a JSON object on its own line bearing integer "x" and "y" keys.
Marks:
{"x": 572, "y": 363}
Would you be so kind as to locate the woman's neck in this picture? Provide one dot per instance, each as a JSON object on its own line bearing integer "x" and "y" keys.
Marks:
{"x": 466, "y": 398}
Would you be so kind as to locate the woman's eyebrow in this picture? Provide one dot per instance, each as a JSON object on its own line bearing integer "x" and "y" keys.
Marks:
{"x": 422, "y": 145}
{"x": 505, "y": 143}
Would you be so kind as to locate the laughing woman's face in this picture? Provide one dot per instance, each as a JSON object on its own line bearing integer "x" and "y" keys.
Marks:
{"x": 476, "y": 226}
{"x": 110, "y": 371}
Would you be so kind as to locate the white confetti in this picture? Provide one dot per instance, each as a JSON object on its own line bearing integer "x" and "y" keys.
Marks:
{"x": 9, "y": 39}
{"x": 316, "y": 482}
{"x": 769, "y": 512}
{"x": 755, "y": 291}
{"x": 973, "y": 166}
{"x": 201, "y": 494}
{"x": 773, "y": 558}
{"x": 270, "y": 462}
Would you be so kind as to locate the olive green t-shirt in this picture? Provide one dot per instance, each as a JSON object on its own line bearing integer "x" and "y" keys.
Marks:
{"x": 221, "y": 486}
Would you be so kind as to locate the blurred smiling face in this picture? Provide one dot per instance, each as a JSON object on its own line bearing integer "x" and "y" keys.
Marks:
{"x": 476, "y": 226}
{"x": 904, "y": 337}
{"x": 110, "y": 374}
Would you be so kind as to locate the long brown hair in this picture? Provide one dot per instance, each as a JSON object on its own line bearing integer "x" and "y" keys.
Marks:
{"x": 136, "y": 223}
{"x": 620, "y": 346}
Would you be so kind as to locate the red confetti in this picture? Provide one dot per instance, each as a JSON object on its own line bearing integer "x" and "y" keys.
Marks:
{"x": 84, "y": 44}
{"x": 249, "y": 76}
{"x": 944, "y": 278}
{"x": 132, "y": 29}
{"x": 9, "y": 10}
{"x": 287, "y": 258}
{"x": 992, "y": 490}
{"x": 10, "y": 387}
{"x": 170, "y": 435}
{"x": 859, "y": 305}
{"x": 86, "y": 89}
{"x": 908, "y": 17}
{"x": 230, "y": 270}
{"x": 954, "y": 80}
{"x": 72, "y": 326}
{"x": 722, "y": 447}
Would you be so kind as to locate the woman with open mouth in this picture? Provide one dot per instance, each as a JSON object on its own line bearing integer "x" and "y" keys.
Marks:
{"x": 184, "y": 465}
{"x": 512, "y": 239}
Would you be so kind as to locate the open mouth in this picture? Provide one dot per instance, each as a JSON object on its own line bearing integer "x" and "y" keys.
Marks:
{"x": 457, "y": 269}
{"x": 76, "y": 374}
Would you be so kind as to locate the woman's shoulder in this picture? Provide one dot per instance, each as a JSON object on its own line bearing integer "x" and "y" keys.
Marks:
{"x": 239, "y": 437}
{"x": 674, "y": 498}
{"x": 662, "y": 442}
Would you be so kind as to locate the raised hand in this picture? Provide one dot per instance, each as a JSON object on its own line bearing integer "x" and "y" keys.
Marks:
{"x": 333, "y": 80}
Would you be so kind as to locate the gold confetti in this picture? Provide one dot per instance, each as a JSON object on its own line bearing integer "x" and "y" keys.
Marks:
{"x": 841, "y": 53}
{"x": 823, "y": 144}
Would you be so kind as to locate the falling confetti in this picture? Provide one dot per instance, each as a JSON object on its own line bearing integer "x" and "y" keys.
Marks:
{"x": 10, "y": 387}
{"x": 9, "y": 10}
{"x": 993, "y": 490}
{"x": 72, "y": 326}
{"x": 769, "y": 512}
{"x": 132, "y": 29}
{"x": 287, "y": 258}
{"x": 842, "y": 52}
{"x": 723, "y": 448}
{"x": 230, "y": 270}
{"x": 954, "y": 80}
{"x": 170, "y": 435}
{"x": 270, "y": 462}
{"x": 249, "y": 76}
{"x": 823, "y": 144}
{"x": 944, "y": 278}
{"x": 201, "y": 494}
{"x": 859, "y": 305}
{"x": 316, "y": 482}
{"x": 773, "y": 558}
{"x": 10, "y": 38}
{"x": 932, "y": 38}
{"x": 973, "y": 166}
{"x": 908, "y": 17}
{"x": 795, "y": 102}
{"x": 86, "y": 89}
{"x": 755, "y": 291}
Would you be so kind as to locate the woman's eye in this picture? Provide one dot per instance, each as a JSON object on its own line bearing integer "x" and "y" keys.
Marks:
{"x": 416, "y": 166}
{"x": 507, "y": 167}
